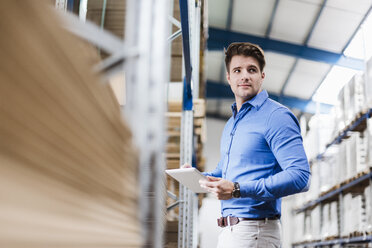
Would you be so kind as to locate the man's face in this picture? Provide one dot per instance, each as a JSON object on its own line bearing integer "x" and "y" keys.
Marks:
{"x": 245, "y": 77}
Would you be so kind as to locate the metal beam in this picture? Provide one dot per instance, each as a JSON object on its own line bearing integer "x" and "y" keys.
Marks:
{"x": 221, "y": 90}
{"x": 187, "y": 91}
{"x": 92, "y": 33}
{"x": 272, "y": 17}
{"x": 229, "y": 15}
{"x": 306, "y": 41}
{"x": 219, "y": 39}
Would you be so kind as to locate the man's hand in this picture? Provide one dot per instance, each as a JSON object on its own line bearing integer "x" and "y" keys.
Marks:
{"x": 186, "y": 166}
{"x": 219, "y": 187}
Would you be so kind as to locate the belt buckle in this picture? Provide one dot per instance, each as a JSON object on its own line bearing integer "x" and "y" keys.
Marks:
{"x": 228, "y": 220}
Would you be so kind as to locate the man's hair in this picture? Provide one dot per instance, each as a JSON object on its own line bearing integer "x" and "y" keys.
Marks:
{"x": 246, "y": 49}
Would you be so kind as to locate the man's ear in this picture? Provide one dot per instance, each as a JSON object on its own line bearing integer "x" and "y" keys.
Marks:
{"x": 228, "y": 77}
{"x": 263, "y": 75}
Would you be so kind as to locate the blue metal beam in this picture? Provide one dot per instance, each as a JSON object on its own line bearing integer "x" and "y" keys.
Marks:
{"x": 187, "y": 92}
{"x": 222, "y": 90}
{"x": 220, "y": 39}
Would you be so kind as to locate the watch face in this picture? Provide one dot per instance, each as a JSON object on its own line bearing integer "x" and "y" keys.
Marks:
{"x": 236, "y": 193}
{"x": 236, "y": 190}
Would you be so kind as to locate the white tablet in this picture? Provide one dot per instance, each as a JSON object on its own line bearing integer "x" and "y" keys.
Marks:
{"x": 189, "y": 177}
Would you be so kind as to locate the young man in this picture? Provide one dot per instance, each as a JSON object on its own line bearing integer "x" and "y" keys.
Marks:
{"x": 262, "y": 157}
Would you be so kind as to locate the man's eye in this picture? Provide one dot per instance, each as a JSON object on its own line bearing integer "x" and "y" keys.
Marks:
{"x": 252, "y": 70}
{"x": 237, "y": 70}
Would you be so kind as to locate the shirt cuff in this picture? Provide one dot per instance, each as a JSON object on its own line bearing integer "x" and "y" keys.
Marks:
{"x": 247, "y": 189}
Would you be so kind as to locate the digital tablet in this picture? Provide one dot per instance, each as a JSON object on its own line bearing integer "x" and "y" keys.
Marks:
{"x": 189, "y": 177}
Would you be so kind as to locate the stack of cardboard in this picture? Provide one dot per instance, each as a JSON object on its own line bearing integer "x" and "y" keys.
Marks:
{"x": 68, "y": 170}
{"x": 176, "y": 52}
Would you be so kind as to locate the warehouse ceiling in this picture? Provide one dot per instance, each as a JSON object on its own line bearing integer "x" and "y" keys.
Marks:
{"x": 302, "y": 40}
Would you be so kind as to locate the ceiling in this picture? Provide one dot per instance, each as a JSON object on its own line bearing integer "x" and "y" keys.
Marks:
{"x": 302, "y": 40}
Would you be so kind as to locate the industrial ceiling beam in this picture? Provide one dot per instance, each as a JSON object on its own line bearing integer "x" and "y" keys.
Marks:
{"x": 222, "y": 90}
{"x": 219, "y": 39}
{"x": 306, "y": 41}
{"x": 272, "y": 17}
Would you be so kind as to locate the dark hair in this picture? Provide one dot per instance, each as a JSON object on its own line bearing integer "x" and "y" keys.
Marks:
{"x": 245, "y": 49}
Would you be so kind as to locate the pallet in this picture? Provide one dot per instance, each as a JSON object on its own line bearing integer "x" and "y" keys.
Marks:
{"x": 331, "y": 238}
{"x": 357, "y": 234}
{"x": 335, "y": 187}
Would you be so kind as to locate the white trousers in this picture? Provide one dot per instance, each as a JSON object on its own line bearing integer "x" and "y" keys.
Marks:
{"x": 251, "y": 234}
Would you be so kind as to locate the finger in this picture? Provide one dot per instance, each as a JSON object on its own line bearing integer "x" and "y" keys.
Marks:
{"x": 209, "y": 184}
{"x": 213, "y": 179}
{"x": 186, "y": 165}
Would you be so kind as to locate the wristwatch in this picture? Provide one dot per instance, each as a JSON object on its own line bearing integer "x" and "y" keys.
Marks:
{"x": 236, "y": 190}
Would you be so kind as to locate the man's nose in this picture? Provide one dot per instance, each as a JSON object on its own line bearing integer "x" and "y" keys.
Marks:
{"x": 245, "y": 75}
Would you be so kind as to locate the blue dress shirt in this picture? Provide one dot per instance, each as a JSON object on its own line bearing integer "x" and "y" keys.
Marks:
{"x": 262, "y": 150}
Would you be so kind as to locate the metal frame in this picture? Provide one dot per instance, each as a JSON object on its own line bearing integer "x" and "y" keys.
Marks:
{"x": 341, "y": 241}
{"x": 334, "y": 193}
{"x": 146, "y": 77}
{"x": 188, "y": 209}
{"x": 219, "y": 38}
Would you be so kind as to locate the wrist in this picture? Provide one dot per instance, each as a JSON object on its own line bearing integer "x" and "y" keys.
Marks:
{"x": 236, "y": 190}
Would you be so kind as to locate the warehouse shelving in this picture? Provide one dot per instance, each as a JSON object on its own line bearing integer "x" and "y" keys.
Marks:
{"x": 358, "y": 125}
{"x": 144, "y": 57}
{"x": 188, "y": 201}
{"x": 335, "y": 193}
{"x": 341, "y": 241}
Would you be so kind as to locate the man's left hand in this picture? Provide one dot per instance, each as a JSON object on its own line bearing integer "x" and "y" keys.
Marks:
{"x": 219, "y": 187}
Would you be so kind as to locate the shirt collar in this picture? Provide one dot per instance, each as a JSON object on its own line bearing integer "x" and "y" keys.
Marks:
{"x": 255, "y": 102}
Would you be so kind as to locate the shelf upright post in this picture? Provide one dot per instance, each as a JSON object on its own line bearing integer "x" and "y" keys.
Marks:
{"x": 188, "y": 209}
{"x": 61, "y": 5}
{"x": 147, "y": 74}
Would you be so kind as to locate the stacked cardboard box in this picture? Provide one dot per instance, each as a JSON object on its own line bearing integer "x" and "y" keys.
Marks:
{"x": 68, "y": 168}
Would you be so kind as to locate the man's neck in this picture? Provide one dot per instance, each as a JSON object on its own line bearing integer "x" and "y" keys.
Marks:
{"x": 240, "y": 102}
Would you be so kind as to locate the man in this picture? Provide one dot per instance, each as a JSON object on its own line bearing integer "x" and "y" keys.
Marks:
{"x": 262, "y": 157}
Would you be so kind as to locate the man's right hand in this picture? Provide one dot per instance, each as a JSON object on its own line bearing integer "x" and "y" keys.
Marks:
{"x": 186, "y": 166}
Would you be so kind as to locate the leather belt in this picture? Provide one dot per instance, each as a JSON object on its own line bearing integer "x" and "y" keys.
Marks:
{"x": 231, "y": 220}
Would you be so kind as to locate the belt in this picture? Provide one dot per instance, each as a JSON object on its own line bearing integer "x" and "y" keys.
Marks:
{"x": 231, "y": 221}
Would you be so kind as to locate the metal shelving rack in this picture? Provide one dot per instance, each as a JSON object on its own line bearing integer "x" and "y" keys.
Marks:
{"x": 190, "y": 11}
{"x": 334, "y": 193}
{"x": 341, "y": 241}
{"x": 359, "y": 124}
{"x": 144, "y": 57}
